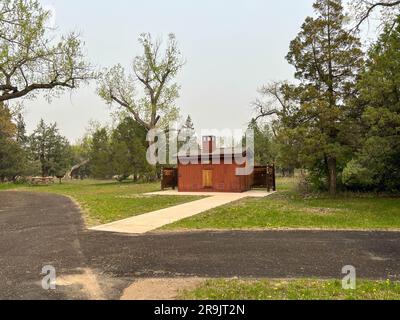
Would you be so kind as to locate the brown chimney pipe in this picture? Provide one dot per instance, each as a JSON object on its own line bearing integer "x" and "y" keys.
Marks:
{"x": 209, "y": 144}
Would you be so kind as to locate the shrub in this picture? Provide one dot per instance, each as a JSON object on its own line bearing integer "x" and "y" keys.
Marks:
{"x": 355, "y": 176}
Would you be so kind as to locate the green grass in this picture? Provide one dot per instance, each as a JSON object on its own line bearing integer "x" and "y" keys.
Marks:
{"x": 292, "y": 290}
{"x": 289, "y": 209}
{"x": 105, "y": 201}
{"x": 9, "y": 186}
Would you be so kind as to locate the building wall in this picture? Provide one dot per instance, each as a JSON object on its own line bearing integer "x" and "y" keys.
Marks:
{"x": 224, "y": 178}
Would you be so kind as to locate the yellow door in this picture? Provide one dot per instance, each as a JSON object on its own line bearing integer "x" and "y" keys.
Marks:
{"x": 207, "y": 179}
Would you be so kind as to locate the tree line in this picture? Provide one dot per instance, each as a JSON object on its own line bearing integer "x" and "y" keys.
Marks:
{"x": 339, "y": 121}
{"x": 34, "y": 59}
{"x": 104, "y": 153}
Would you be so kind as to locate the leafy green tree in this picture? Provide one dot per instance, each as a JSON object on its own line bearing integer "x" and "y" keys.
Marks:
{"x": 120, "y": 152}
{"x": 128, "y": 147}
{"x": 265, "y": 148}
{"x": 100, "y": 154}
{"x": 327, "y": 59}
{"x": 155, "y": 73}
{"x": 378, "y": 162}
{"x": 12, "y": 154}
{"x": 50, "y": 149}
{"x": 31, "y": 60}
{"x": 12, "y": 160}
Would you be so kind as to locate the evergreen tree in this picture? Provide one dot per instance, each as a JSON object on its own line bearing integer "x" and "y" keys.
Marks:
{"x": 128, "y": 148}
{"x": 50, "y": 149}
{"x": 188, "y": 133}
{"x": 100, "y": 154}
{"x": 327, "y": 59}
{"x": 378, "y": 162}
{"x": 12, "y": 155}
{"x": 22, "y": 138}
{"x": 265, "y": 148}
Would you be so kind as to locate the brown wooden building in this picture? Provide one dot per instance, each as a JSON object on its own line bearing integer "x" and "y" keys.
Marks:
{"x": 213, "y": 170}
{"x": 210, "y": 171}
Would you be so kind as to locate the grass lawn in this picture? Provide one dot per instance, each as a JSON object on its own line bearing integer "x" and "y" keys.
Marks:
{"x": 292, "y": 290}
{"x": 105, "y": 201}
{"x": 108, "y": 201}
{"x": 289, "y": 209}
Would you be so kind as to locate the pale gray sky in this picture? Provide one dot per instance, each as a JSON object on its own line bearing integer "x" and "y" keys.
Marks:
{"x": 232, "y": 47}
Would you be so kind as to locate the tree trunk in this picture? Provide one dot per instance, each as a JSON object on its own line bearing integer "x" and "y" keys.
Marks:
{"x": 45, "y": 171}
{"x": 332, "y": 175}
{"x": 68, "y": 175}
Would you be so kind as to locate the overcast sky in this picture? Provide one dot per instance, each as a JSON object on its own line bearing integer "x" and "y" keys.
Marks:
{"x": 232, "y": 47}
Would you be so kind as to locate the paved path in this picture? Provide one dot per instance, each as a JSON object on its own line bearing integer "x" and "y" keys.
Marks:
{"x": 37, "y": 230}
{"x": 157, "y": 219}
{"x": 41, "y": 229}
{"x": 248, "y": 194}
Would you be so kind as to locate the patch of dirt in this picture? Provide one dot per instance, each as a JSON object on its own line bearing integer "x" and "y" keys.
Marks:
{"x": 159, "y": 289}
{"x": 86, "y": 280}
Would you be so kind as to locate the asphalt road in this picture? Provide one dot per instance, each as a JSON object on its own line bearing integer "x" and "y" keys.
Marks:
{"x": 40, "y": 229}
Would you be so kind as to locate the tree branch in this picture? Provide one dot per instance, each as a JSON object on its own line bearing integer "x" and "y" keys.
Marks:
{"x": 371, "y": 7}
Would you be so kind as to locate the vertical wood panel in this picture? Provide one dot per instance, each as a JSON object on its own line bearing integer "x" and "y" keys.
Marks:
{"x": 223, "y": 179}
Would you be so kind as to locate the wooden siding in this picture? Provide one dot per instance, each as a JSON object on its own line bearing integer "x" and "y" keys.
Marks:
{"x": 224, "y": 178}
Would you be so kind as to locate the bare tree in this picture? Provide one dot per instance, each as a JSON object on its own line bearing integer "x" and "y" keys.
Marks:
{"x": 275, "y": 100}
{"x": 154, "y": 72}
{"x": 365, "y": 8}
{"x": 31, "y": 59}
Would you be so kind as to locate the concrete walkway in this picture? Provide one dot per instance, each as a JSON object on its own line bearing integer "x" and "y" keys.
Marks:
{"x": 248, "y": 194}
{"x": 157, "y": 219}
{"x": 45, "y": 229}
